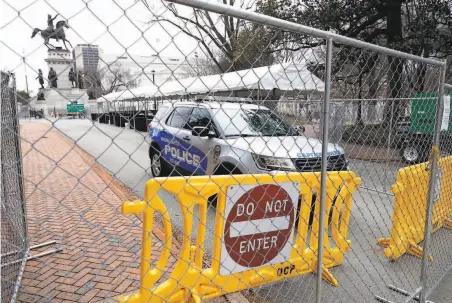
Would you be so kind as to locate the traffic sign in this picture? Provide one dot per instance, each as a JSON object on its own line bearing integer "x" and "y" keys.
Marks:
{"x": 75, "y": 108}
{"x": 259, "y": 224}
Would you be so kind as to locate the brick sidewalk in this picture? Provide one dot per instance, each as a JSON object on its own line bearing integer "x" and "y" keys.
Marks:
{"x": 73, "y": 201}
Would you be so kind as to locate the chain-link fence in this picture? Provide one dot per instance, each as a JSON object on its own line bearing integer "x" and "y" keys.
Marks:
{"x": 14, "y": 241}
{"x": 440, "y": 243}
{"x": 186, "y": 150}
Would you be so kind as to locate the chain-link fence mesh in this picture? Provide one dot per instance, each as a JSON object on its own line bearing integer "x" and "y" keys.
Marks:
{"x": 14, "y": 242}
{"x": 377, "y": 150}
{"x": 241, "y": 134}
{"x": 440, "y": 245}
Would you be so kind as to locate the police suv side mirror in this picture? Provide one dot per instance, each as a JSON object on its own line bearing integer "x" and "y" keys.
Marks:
{"x": 200, "y": 131}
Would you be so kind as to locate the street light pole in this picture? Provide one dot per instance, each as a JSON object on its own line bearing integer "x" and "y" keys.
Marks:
{"x": 153, "y": 82}
{"x": 197, "y": 68}
{"x": 25, "y": 69}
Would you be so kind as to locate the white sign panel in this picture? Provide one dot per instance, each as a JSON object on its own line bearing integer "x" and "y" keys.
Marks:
{"x": 259, "y": 225}
{"x": 446, "y": 113}
{"x": 437, "y": 185}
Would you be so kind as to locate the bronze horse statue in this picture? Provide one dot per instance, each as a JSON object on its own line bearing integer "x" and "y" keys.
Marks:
{"x": 57, "y": 34}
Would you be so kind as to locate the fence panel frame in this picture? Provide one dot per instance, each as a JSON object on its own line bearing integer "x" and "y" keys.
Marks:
{"x": 435, "y": 154}
{"x": 428, "y": 291}
{"x": 330, "y": 37}
{"x": 14, "y": 119}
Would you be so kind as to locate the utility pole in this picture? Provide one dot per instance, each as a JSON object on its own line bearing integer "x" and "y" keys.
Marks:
{"x": 197, "y": 67}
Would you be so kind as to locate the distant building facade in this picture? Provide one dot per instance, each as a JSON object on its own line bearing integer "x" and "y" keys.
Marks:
{"x": 147, "y": 69}
{"x": 87, "y": 57}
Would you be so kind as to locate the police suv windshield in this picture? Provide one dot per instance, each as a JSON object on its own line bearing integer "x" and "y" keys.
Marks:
{"x": 251, "y": 123}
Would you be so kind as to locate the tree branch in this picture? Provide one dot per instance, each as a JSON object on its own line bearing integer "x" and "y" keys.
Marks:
{"x": 370, "y": 21}
{"x": 196, "y": 24}
{"x": 220, "y": 37}
{"x": 206, "y": 47}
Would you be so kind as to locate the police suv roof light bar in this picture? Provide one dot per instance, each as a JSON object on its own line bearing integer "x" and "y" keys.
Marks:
{"x": 223, "y": 99}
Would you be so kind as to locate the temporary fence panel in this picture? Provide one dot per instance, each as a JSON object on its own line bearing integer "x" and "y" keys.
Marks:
{"x": 441, "y": 238}
{"x": 14, "y": 240}
{"x": 256, "y": 240}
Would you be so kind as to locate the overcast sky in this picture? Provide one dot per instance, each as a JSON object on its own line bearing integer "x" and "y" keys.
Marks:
{"x": 127, "y": 29}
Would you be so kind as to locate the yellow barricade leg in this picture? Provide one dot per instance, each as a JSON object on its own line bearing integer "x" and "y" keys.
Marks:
{"x": 326, "y": 274}
{"x": 448, "y": 223}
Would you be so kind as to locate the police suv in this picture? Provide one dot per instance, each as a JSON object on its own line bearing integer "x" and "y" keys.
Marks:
{"x": 229, "y": 136}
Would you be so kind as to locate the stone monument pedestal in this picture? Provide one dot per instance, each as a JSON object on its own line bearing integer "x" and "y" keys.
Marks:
{"x": 57, "y": 98}
{"x": 61, "y": 61}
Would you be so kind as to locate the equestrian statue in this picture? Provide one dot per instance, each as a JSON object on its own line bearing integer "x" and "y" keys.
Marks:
{"x": 53, "y": 33}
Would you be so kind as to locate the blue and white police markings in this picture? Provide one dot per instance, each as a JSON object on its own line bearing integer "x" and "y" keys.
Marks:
{"x": 317, "y": 155}
{"x": 178, "y": 152}
{"x": 154, "y": 132}
{"x": 183, "y": 155}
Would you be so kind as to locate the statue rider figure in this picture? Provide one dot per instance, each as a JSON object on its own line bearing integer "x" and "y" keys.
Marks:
{"x": 50, "y": 27}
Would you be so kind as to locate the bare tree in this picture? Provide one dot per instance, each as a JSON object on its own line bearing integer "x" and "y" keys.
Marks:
{"x": 211, "y": 31}
{"x": 110, "y": 79}
{"x": 200, "y": 66}
{"x": 23, "y": 97}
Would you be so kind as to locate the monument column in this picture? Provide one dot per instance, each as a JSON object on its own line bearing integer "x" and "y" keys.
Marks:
{"x": 61, "y": 61}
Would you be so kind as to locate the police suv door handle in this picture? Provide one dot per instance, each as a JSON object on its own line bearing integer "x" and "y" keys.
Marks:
{"x": 186, "y": 138}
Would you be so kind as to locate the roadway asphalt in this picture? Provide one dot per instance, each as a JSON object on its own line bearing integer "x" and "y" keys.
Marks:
{"x": 365, "y": 271}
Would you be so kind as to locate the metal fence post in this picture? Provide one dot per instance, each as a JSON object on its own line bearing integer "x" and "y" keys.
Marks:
{"x": 146, "y": 112}
{"x": 390, "y": 129}
{"x": 326, "y": 111}
{"x": 430, "y": 202}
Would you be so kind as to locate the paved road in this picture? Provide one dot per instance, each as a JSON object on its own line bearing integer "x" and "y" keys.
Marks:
{"x": 365, "y": 271}
{"x": 443, "y": 293}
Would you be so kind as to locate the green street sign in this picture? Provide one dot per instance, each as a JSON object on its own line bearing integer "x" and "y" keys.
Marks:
{"x": 75, "y": 108}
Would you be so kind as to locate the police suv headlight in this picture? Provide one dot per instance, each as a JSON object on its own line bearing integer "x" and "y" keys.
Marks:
{"x": 272, "y": 163}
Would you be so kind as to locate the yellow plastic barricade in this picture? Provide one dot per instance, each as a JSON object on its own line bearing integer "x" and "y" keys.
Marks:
{"x": 410, "y": 203}
{"x": 191, "y": 281}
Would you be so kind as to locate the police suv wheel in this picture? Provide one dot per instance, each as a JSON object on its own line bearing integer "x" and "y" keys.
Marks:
{"x": 411, "y": 154}
{"x": 159, "y": 167}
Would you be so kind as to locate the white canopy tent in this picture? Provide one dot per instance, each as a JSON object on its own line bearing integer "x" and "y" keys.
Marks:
{"x": 290, "y": 78}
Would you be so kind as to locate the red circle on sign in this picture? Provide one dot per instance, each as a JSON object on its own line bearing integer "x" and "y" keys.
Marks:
{"x": 255, "y": 243}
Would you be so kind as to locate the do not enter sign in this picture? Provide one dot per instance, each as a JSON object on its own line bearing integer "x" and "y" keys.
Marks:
{"x": 259, "y": 223}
